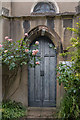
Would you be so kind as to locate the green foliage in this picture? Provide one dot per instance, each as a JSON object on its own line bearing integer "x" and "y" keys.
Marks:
{"x": 69, "y": 108}
{"x": 69, "y": 76}
{"x": 12, "y": 110}
{"x": 15, "y": 54}
{"x": 70, "y": 104}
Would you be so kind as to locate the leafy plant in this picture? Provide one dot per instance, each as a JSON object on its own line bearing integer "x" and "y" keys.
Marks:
{"x": 69, "y": 76}
{"x": 15, "y": 54}
{"x": 69, "y": 108}
{"x": 12, "y": 110}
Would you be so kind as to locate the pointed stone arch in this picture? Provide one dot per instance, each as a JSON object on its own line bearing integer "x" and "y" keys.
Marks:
{"x": 38, "y": 31}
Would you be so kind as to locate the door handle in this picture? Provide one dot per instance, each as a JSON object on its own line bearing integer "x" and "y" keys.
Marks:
{"x": 41, "y": 73}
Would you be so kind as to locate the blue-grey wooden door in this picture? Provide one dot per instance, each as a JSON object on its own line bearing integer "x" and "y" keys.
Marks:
{"x": 42, "y": 78}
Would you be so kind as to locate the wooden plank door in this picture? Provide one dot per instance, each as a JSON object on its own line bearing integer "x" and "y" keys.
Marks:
{"x": 42, "y": 78}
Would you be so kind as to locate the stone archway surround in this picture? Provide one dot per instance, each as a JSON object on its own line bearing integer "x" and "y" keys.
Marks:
{"x": 37, "y": 31}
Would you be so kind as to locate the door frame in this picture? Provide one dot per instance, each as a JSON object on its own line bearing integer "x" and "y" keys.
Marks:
{"x": 55, "y": 38}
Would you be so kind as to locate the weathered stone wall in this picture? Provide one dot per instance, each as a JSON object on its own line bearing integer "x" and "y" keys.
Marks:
{"x": 6, "y": 8}
{"x": 24, "y": 8}
{"x": 17, "y": 31}
{"x": 6, "y": 28}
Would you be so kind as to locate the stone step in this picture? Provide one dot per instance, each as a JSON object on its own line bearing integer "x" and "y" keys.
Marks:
{"x": 41, "y": 112}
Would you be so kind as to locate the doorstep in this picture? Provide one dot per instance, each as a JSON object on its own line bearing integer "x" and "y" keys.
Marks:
{"x": 41, "y": 112}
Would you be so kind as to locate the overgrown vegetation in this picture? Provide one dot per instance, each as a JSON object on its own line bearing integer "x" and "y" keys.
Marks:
{"x": 69, "y": 76}
{"x": 12, "y": 110}
{"x": 15, "y": 54}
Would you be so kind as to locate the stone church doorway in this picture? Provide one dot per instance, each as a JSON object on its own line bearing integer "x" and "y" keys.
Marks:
{"x": 42, "y": 78}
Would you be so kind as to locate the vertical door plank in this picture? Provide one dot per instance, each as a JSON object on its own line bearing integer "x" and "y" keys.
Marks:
{"x": 46, "y": 47}
{"x": 52, "y": 51}
{"x": 37, "y": 84}
{"x": 52, "y": 78}
{"x": 46, "y": 78}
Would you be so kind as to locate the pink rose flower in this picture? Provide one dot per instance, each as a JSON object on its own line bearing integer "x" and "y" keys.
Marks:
{"x": 26, "y": 34}
{"x": 33, "y": 53}
{"x": 6, "y": 38}
{"x": 0, "y": 45}
{"x": 9, "y": 39}
{"x": 37, "y": 63}
{"x": 37, "y": 43}
{"x": 36, "y": 51}
{"x": 33, "y": 50}
{"x": 26, "y": 50}
{"x": 5, "y": 51}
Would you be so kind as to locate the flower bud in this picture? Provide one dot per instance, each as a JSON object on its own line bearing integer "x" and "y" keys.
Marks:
{"x": 6, "y": 38}
{"x": 0, "y": 45}
{"x": 37, "y": 63}
{"x": 37, "y": 43}
{"x": 26, "y": 34}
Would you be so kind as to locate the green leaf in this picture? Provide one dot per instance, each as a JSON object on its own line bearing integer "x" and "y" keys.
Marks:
{"x": 50, "y": 45}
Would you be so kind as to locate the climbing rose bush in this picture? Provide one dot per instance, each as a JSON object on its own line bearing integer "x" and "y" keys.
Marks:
{"x": 18, "y": 53}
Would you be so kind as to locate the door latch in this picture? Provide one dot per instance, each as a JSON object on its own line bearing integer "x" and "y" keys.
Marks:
{"x": 41, "y": 73}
